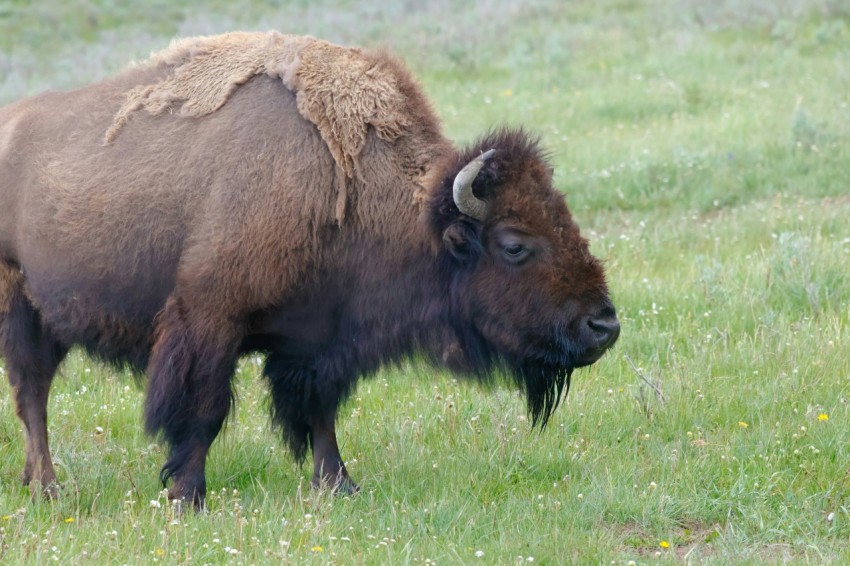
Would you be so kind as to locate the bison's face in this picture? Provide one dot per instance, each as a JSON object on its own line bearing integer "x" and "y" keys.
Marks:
{"x": 525, "y": 278}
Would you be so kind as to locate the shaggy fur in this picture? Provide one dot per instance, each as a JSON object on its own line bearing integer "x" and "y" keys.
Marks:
{"x": 277, "y": 194}
{"x": 343, "y": 91}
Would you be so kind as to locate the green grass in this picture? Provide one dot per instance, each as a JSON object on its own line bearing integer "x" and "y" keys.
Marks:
{"x": 705, "y": 150}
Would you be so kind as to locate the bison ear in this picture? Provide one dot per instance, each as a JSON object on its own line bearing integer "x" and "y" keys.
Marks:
{"x": 462, "y": 241}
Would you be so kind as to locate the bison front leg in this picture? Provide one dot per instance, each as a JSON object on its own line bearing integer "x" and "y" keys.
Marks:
{"x": 328, "y": 468}
{"x": 304, "y": 406}
{"x": 32, "y": 357}
{"x": 189, "y": 393}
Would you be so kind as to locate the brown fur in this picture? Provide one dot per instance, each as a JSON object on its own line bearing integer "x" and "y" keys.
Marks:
{"x": 278, "y": 194}
{"x": 11, "y": 283}
{"x": 342, "y": 91}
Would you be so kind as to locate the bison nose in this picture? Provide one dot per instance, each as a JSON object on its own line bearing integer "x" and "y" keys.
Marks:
{"x": 605, "y": 328}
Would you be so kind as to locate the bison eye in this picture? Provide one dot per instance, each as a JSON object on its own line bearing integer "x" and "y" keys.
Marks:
{"x": 515, "y": 252}
{"x": 511, "y": 245}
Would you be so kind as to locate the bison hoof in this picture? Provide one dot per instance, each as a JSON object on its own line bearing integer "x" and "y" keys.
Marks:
{"x": 180, "y": 500}
{"x": 336, "y": 485}
{"x": 179, "y": 506}
{"x": 49, "y": 491}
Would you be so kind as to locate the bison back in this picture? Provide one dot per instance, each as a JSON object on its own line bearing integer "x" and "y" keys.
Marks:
{"x": 231, "y": 206}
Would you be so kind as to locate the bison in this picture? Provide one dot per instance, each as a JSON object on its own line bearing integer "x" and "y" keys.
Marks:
{"x": 260, "y": 192}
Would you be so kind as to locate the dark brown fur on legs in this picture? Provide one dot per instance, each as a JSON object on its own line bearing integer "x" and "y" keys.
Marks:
{"x": 189, "y": 394}
{"x": 32, "y": 356}
{"x": 304, "y": 407}
{"x": 328, "y": 468}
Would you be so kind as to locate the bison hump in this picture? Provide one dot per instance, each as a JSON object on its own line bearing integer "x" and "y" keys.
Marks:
{"x": 343, "y": 91}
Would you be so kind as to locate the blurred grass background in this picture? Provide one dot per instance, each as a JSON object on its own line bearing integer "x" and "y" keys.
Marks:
{"x": 703, "y": 148}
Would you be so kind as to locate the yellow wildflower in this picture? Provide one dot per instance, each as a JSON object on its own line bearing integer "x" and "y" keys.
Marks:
{"x": 160, "y": 552}
{"x": 823, "y": 417}
{"x": 317, "y": 548}
{"x": 69, "y": 520}
{"x": 743, "y": 424}
{"x": 664, "y": 544}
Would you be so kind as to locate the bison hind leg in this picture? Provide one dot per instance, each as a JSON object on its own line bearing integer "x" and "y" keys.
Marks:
{"x": 32, "y": 356}
{"x": 189, "y": 394}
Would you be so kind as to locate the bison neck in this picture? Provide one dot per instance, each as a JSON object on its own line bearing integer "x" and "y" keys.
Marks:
{"x": 380, "y": 307}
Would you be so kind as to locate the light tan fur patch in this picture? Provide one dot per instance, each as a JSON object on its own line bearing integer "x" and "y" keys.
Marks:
{"x": 11, "y": 281}
{"x": 340, "y": 90}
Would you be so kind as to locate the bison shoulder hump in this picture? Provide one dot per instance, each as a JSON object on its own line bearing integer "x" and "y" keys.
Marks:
{"x": 341, "y": 90}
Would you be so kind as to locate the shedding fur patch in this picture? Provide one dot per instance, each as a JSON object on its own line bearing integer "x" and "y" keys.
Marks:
{"x": 343, "y": 91}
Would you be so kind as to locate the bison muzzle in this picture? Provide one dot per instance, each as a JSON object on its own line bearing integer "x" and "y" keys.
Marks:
{"x": 258, "y": 192}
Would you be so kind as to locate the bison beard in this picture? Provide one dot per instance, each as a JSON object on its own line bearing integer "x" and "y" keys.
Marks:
{"x": 544, "y": 388}
{"x": 221, "y": 199}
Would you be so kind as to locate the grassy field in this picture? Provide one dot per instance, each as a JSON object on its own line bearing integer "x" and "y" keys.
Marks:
{"x": 705, "y": 150}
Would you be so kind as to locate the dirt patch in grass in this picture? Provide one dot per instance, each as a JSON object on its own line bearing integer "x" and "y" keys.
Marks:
{"x": 682, "y": 542}
{"x": 694, "y": 542}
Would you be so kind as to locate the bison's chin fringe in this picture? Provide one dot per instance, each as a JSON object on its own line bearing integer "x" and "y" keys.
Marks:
{"x": 544, "y": 386}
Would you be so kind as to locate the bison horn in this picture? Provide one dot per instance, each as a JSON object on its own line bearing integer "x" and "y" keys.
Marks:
{"x": 467, "y": 202}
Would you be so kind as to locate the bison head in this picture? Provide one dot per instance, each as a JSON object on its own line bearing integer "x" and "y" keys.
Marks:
{"x": 522, "y": 280}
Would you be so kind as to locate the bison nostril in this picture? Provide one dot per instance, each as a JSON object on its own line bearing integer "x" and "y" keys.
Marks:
{"x": 605, "y": 330}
